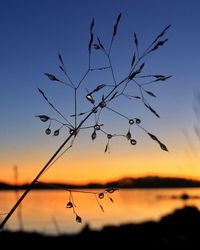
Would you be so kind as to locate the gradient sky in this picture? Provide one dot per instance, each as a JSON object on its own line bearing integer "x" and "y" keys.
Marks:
{"x": 34, "y": 32}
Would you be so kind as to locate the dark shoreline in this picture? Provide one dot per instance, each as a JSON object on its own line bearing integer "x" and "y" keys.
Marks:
{"x": 178, "y": 230}
{"x": 143, "y": 182}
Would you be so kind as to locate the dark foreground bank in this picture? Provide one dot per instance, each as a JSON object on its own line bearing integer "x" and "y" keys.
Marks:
{"x": 179, "y": 230}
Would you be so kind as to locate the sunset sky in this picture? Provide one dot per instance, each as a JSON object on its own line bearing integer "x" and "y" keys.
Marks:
{"x": 32, "y": 35}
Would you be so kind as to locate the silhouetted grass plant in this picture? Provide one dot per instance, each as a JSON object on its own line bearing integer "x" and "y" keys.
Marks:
{"x": 99, "y": 99}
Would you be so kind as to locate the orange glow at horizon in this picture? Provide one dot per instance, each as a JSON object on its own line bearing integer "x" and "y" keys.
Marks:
{"x": 79, "y": 167}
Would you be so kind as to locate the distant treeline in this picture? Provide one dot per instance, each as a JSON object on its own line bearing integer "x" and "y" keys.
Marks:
{"x": 143, "y": 182}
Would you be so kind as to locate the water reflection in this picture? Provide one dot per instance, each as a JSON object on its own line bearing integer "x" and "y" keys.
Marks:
{"x": 45, "y": 211}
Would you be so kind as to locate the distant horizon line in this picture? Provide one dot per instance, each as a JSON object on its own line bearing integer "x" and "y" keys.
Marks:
{"x": 100, "y": 182}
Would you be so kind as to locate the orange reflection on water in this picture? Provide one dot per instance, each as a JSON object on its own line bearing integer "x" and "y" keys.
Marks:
{"x": 41, "y": 209}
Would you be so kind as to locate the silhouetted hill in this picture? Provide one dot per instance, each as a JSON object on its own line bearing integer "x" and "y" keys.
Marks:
{"x": 179, "y": 230}
{"x": 154, "y": 182}
{"x": 143, "y": 182}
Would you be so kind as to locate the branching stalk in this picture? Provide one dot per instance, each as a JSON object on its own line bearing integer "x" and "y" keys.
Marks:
{"x": 117, "y": 89}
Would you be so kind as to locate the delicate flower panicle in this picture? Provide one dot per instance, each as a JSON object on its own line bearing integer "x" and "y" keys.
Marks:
{"x": 118, "y": 88}
{"x": 99, "y": 100}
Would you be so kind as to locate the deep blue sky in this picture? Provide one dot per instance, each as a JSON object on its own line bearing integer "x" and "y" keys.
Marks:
{"x": 34, "y": 32}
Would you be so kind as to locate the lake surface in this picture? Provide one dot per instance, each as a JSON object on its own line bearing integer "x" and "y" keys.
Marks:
{"x": 45, "y": 211}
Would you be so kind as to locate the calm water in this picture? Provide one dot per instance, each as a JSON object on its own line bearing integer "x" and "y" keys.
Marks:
{"x": 45, "y": 211}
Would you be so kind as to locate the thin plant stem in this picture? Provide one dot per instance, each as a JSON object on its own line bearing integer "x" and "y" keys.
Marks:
{"x": 102, "y": 104}
{"x": 111, "y": 42}
{"x": 72, "y": 84}
{"x": 32, "y": 183}
{"x": 84, "y": 76}
{"x": 65, "y": 72}
{"x": 47, "y": 100}
{"x": 112, "y": 71}
{"x": 67, "y": 189}
{"x": 118, "y": 113}
{"x": 75, "y": 106}
{"x": 75, "y": 132}
{"x": 61, "y": 154}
